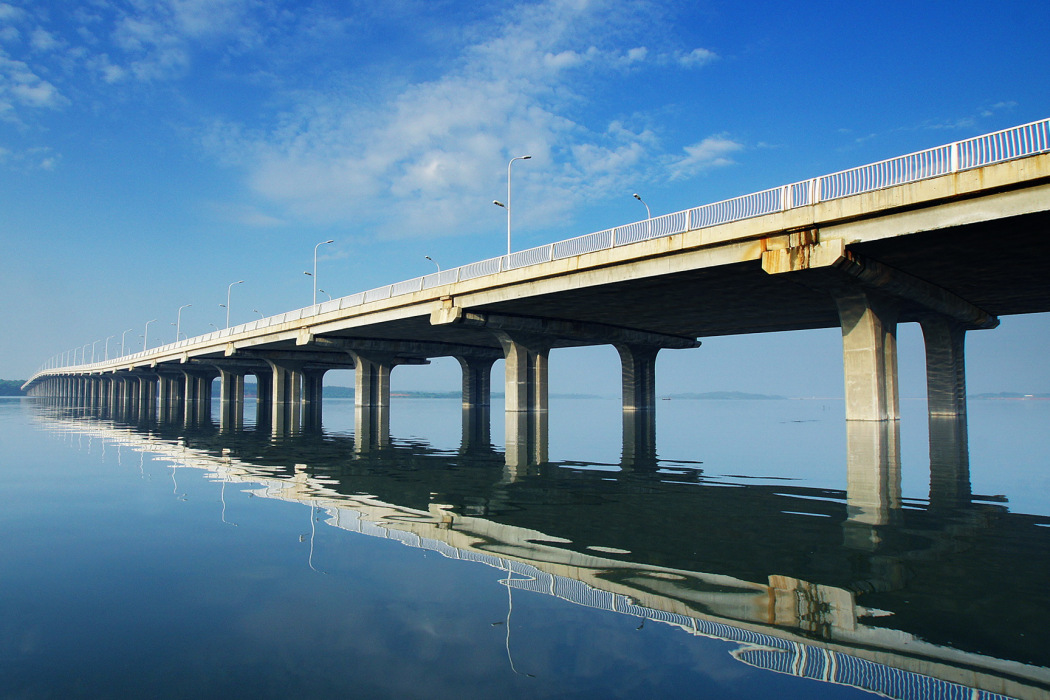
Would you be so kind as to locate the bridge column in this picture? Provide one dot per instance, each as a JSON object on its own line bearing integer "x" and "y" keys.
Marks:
{"x": 263, "y": 399}
{"x": 126, "y": 396}
{"x": 170, "y": 397}
{"x": 638, "y": 372}
{"x": 525, "y": 392}
{"x": 286, "y": 396}
{"x": 313, "y": 398}
{"x": 477, "y": 380}
{"x": 945, "y": 366}
{"x": 147, "y": 397}
{"x": 197, "y": 395}
{"x": 231, "y": 400}
{"x": 372, "y": 399}
{"x": 526, "y": 361}
{"x": 869, "y": 354}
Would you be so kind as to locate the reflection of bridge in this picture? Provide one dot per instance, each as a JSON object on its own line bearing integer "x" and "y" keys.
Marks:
{"x": 793, "y": 602}
{"x": 944, "y": 237}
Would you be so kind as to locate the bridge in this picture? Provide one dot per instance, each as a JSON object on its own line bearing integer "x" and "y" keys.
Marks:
{"x": 949, "y": 238}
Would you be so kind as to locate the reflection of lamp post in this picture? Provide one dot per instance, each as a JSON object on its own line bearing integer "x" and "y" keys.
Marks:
{"x": 178, "y": 321}
{"x": 315, "y": 265}
{"x": 507, "y": 205}
{"x": 228, "y": 291}
{"x": 122, "y": 341}
{"x": 107, "y": 345}
{"x": 433, "y": 261}
{"x": 145, "y": 334}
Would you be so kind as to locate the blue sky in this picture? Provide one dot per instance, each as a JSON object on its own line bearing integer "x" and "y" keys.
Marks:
{"x": 151, "y": 153}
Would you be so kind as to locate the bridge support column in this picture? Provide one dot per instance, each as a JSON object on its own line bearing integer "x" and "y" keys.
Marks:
{"x": 477, "y": 380}
{"x": 869, "y": 354}
{"x": 372, "y": 399}
{"x": 231, "y": 400}
{"x": 313, "y": 398}
{"x": 170, "y": 397}
{"x": 526, "y": 391}
{"x": 526, "y": 373}
{"x": 286, "y": 396}
{"x": 263, "y": 399}
{"x": 197, "y": 395}
{"x": 638, "y": 372}
{"x": 147, "y": 401}
{"x": 945, "y": 366}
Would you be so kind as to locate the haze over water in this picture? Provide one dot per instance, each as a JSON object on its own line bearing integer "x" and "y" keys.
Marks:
{"x": 737, "y": 559}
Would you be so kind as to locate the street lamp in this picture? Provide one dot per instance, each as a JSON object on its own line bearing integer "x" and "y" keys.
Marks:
{"x": 433, "y": 261}
{"x": 258, "y": 312}
{"x": 83, "y": 354}
{"x": 648, "y": 216}
{"x": 93, "y": 350}
{"x": 178, "y": 321}
{"x": 314, "y": 275}
{"x": 107, "y": 345}
{"x": 228, "y": 291}
{"x": 145, "y": 334}
{"x": 122, "y": 341}
{"x": 326, "y": 294}
{"x": 507, "y": 205}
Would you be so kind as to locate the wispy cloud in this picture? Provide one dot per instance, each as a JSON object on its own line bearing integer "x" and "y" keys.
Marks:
{"x": 434, "y": 149}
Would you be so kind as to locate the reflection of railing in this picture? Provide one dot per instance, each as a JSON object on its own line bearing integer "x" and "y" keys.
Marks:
{"x": 997, "y": 147}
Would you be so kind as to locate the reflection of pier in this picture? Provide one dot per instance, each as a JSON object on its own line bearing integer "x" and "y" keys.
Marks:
{"x": 865, "y": 593}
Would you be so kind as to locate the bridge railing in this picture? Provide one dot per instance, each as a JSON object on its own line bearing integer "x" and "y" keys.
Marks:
{"x": 987, "y": 149}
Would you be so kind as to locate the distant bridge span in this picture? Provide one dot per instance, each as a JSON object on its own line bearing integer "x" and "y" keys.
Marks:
{"x": 950, "y": 238}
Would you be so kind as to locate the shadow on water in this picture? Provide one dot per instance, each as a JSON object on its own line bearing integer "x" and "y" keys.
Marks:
{"x": 861, "y": 586}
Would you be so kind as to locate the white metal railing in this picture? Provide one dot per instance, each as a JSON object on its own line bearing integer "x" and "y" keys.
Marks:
{"x": 1008, "y": 144}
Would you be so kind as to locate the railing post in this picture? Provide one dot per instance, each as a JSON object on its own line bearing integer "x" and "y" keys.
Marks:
{"x": 955, "y": 156}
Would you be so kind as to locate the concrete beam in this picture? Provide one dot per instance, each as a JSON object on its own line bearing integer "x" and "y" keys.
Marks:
{"x": 833, "y": 254}
{"x": 562, "y": 333}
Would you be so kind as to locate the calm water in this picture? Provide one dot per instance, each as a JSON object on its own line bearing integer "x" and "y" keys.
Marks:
{"x": 760, "y": 549}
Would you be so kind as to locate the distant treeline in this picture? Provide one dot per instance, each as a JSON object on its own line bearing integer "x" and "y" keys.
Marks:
{"x": 12, "y": 387}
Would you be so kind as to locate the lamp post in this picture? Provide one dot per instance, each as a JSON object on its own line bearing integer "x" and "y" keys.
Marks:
{"x": 326, "y": 294}
{"x": 178, "y": 321}
{"x": 93, "y": 350}
{"x": 122, "y": 341}
{"x": 315, "y": 265}
{"x": 107, "y": 345}
{"x": 507, "y": 205}
{"x": 433, "y": 261}
{"x": 258, "y": 312}
{"x": 83, "y": 354}
{"x": 229, "y": 290}
{"x": 648, "y": 216}
{"x": 145, "y": 334}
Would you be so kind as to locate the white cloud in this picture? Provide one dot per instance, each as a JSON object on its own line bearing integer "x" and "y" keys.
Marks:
{"x": 712, "y": 152}
{"x": 439, "y": 149}
{"x": 20, "y": 86}
{"x": 697, "y": 58}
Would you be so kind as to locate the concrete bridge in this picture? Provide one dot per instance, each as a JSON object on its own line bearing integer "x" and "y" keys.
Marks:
{"x": 949, "y": 238}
